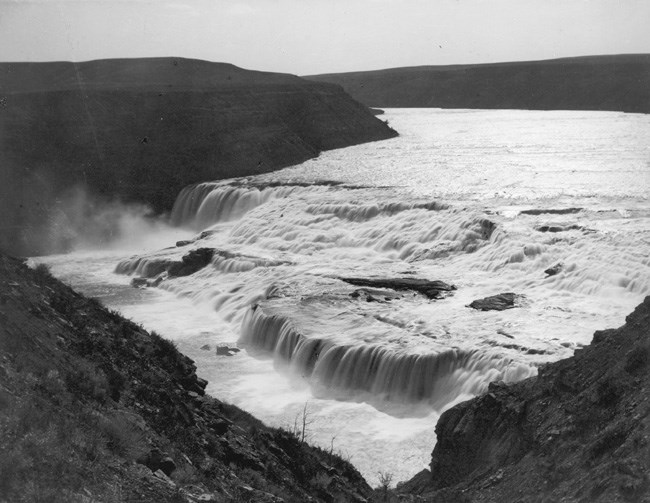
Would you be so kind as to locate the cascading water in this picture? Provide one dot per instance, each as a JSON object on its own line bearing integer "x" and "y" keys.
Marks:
{"x": 378, "y": 371}
{"x": 487, "y": 201}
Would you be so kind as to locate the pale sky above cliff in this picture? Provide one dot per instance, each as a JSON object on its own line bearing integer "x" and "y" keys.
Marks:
{"x": 320, "y": 36}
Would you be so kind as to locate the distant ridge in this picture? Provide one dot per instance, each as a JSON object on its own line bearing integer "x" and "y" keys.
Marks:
{"x": 142, "y": 129}
{"x": 143, "y": 73}
{"x": 615, "y": 83}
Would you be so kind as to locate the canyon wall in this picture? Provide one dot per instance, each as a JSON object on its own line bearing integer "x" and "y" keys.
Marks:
{"x": 615, "y": 83}
{"x": 142, "y": 129}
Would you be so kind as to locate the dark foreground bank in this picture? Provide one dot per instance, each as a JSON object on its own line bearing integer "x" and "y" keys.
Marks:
{"x": 578, "y": 432}
{"x": 94, "y": 408}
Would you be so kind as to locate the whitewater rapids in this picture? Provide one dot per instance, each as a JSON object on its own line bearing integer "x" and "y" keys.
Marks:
{"x": 486, "y": 201}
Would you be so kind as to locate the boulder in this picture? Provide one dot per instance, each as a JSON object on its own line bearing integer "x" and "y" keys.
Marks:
{"x": 139, "y": 282}
{"x": 225, "y": 350}
{"x": 551, "y": 211}
{"x": 192, "y": 262}
{"x": 371, "y": 295}
{"x": 158, "y": 460}
{"x": 559, "y": 228}
{"x": 552, "y": 271}
{"x": 498, "y": 302}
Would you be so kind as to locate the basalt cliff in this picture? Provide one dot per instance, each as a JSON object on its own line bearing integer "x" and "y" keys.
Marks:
{"x": 142, "y": 129}
{"x": 578, "y": 432}
{"x": 614, "y": 83}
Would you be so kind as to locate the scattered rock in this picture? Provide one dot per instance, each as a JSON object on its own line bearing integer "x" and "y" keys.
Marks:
{"x": 139, "y": 282}
{"x": 145, "y": 283}
{"x": 206, "y": 347}
{"x": 206, "y": 234}
{"x": 534, "y": 351}
{"x": 552, "y": 271}
{"x": 157, "y": 460}
{"x": 219, "y": 426}
{"x": 504, "y": 333}
{"x": 498, "y": 302}
{"x": 192, "y": 262}
{"x": 225, "y": 350}
{"x": 160, "y": 474}
{"x": 552, "y": 211}
{"x": 559, "y": 228}
{"x": 372, "y": 295}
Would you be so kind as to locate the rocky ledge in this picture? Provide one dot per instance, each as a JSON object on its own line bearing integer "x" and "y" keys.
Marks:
{"x": 95, "y": 408}
{"x": 431, "y": 289}
{"x": 579, "y": 431}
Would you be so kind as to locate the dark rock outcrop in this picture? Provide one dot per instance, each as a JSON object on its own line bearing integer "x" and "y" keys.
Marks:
{"x": 498, "y": 302}
{"x": 372, "y": 295}
{"x": 226, "y": 350}
{"x": 559, "y": 228}
{"x": 191, "y": 262}
{"x": 554, "y": 269}
{"x": 579, "y": 431}
{"x": 142, "y": 129}
{"x": 551, "y": 211}
{"x": 430, "y": 289}
{"x": 616, "y": 83}
{"x": 157, "y": 460}
{"x": 154, "y": 271}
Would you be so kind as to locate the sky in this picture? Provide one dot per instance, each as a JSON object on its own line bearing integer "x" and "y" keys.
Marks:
{"x": 322, "y": 36}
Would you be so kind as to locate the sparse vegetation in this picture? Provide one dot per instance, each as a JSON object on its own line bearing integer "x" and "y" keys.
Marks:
{"x": 384, "y": 492}
{"x": 42, "y": 272}
{"x": 301, "y": 423}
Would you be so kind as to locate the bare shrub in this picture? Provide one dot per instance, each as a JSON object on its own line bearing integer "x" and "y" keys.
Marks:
{"x": 123, "y": 438}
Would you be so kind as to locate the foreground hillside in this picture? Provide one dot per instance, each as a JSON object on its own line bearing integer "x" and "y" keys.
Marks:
{"x": 578, "y": 432}
{"x": 615, "y": 83}
{"x": 95, "y": 409}
{"x": 142, "y": 129}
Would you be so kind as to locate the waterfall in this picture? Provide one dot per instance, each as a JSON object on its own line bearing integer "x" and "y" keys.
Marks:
{"x": 436, "y": 378}
{"x": 200, "y": 206}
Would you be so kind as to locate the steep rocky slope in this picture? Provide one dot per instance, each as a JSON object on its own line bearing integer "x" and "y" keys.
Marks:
{"x": 579, "y": 431}
{"x": 142, "y": 129}
{"x": 616, "y": 83}
{"x": 94, "y": 408}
